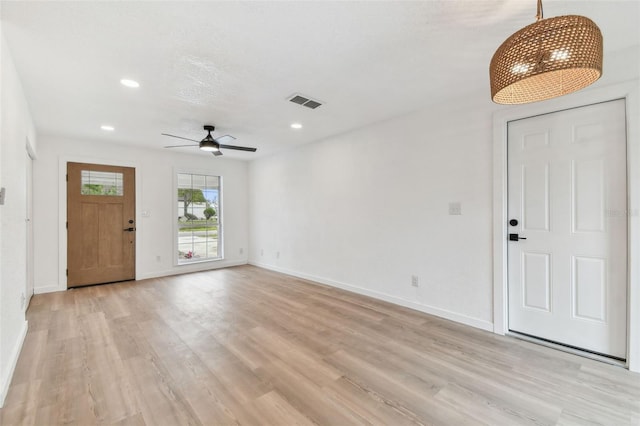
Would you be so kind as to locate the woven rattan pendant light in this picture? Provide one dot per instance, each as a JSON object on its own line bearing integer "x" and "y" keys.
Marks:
{"x": 549, "y": 58}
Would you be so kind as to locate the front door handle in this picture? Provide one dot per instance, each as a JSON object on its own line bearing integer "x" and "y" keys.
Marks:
{"x": 129, "y": 229}
{"x": 516, "y": 237}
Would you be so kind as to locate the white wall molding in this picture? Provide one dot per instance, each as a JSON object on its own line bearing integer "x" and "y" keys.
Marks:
{"x": 202, "y": 267}
{"x": 47, "y": 289}
{"x": 13, "y": 361}
{"x": 626, "y": 90}
{"x": 431, "y": 310}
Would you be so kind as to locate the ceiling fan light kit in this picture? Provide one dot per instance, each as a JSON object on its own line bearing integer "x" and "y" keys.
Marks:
{"x": 208, "y": 146}
{"x": 209, "y": 143}
{"x": 549, "y": 58}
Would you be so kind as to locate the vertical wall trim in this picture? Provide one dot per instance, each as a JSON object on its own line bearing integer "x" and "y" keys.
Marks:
{"x": 13, "y": 361}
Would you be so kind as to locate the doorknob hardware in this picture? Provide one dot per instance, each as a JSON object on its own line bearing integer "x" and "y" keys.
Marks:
{"x": 516, "y": 237}
{"x": 129, "y": 229}
{"x": 513, "y": 222}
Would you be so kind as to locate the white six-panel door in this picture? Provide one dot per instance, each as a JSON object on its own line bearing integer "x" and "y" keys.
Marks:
{"x": 567, "y": 190}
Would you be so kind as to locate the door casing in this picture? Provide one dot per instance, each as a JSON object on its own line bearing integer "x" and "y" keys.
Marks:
{"x": 549, "y": 157}
{"x": 30, "y": 157}
{"x": 627, "y": 91}
{"x": 113, "y": 250}
{"x": 62, "y": 212}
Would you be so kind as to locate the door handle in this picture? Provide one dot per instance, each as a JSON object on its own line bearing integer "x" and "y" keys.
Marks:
{"x": 129, "y": 229}
{"x": 516, "y": 237}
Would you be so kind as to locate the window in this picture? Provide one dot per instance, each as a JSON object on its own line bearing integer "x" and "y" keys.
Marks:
{"x": 100, "y": 183}
{"x": 199, "y": 232}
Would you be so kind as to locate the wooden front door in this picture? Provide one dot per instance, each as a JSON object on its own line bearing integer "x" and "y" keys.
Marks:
{"x": 101, "y": 237}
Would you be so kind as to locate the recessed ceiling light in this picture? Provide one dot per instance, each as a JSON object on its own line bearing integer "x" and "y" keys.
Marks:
{"x": 129, "y": 83}
{"x": 296, "y": 126}
{"x": 107, "y": 128}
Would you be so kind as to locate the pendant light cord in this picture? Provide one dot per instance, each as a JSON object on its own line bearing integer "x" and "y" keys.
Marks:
{"x": 539, "y": 15}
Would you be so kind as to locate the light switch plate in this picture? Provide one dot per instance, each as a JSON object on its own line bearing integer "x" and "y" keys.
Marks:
{"x": 2, "y": 192}
{"x": 455, "y": 208}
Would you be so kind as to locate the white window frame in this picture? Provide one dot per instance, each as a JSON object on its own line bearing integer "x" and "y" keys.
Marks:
{"x": 175, "y": 216}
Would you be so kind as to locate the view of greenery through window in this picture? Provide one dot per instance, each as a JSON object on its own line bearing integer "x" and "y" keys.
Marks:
{"x": 198, "y": 212}
{"x": 100, "y": 183}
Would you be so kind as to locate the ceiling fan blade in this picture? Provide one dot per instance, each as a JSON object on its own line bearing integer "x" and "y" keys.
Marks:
{"x": 177, "y": 146}
{"x": 179, "y": 137}
{"x": 225, "y": 138}
{"x": 217, "y": 153}
{"x": 239, "y": 148}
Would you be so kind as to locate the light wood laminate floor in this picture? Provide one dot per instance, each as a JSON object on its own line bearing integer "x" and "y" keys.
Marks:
{"x": 248, "y": 346}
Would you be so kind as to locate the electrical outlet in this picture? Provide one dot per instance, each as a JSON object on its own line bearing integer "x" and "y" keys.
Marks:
{"x": 241, "y": 250}
{"x": 261, "y": 252}
{"x": 158, "y": 258}
{"x": 277, "y": 255}
{"x": 414, "y": 281}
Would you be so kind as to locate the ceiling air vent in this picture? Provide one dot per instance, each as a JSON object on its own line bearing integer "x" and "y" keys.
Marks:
{"x": 304, "y": 101}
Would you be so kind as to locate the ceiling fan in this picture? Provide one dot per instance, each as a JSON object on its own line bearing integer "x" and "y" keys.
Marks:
{"x": 210, "y": 144}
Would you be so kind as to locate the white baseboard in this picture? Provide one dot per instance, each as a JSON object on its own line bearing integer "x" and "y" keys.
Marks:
{"x": 432, "y": 310}
{"x": 204, "y": 266}
{"x": 198, "y": 267}
{"x": 47, "y": 289}
{"x": 13, "y": 361}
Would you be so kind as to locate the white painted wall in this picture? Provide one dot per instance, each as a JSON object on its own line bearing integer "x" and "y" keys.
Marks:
{"x": 367, "y": 209}
{"x": 16, "y": 127}
{"x": 155, "y": 171}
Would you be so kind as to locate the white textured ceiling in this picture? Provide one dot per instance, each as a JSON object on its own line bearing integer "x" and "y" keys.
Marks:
{"x": 233, "y": 64}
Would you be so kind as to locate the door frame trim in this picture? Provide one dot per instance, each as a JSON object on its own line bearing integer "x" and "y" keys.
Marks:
{"x": 31, "y": 156}
{"x": 62, "y": 208}
{"x": 629, "y": 91}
